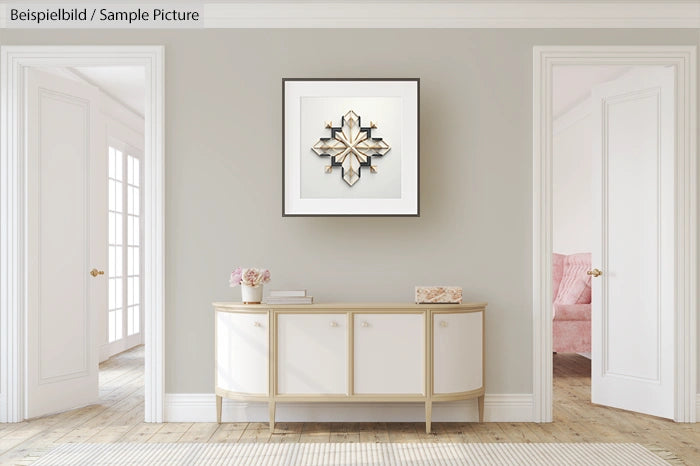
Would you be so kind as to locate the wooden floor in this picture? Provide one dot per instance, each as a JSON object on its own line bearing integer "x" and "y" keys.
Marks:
{"x": 119, "y": 418}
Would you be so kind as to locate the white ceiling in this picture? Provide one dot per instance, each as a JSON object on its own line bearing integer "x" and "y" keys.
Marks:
{"x": 124, "y": 83}
{"x": 572, "y": 84}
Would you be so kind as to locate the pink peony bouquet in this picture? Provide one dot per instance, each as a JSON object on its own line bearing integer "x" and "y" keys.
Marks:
{"x": 249, "y": 277}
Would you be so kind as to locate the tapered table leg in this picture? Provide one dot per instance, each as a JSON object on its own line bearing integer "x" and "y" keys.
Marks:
{"x": 272, "y": 416}
{"x": 218, "y": 409}
{"x": 481, "y": 408}
{"x": 428, "y": 415}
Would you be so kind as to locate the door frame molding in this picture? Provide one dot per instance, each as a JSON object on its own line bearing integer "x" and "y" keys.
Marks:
{"x": 14, "y": 60}
{"x": 683, "y": 58}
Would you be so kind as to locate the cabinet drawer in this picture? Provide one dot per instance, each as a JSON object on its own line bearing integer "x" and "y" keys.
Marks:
{"x": 389, "y": 353}
{"x": 312, "y": 354}
{"x": 242, "y": 352}
{"x": 457, "y": 352}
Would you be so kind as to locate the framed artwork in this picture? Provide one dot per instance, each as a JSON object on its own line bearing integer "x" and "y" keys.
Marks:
{"x": 350, "y": 147}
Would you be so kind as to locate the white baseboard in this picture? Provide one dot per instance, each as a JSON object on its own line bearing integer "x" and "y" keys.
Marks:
{"x": 697, "y": 407}
{"x": 201, "y": 407}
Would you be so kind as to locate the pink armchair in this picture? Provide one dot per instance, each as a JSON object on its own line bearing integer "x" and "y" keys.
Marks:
{"x": 571, "y": 292}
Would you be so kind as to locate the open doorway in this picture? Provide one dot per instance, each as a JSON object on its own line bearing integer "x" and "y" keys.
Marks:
{"x": 641, "y": 258}
{"x": 612, "y": 225}
{"x": 572, "y": 227}
{"x": 87, "y": 123}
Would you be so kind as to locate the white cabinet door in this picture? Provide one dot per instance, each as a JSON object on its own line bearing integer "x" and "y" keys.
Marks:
{"x": 311, "y": 354}
{"x": 389, "y": 353}
{"x": 457, "y": 352}
{"x": 242, "y": 352}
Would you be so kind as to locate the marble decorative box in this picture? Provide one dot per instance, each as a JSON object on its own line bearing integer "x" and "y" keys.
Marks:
{"x": 438, "y": 294}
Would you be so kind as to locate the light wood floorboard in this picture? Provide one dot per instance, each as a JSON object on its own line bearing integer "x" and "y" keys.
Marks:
{"x": 119, "y": 418}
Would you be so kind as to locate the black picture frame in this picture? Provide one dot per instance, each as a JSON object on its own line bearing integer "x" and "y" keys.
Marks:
{"x": 286, "y": 212}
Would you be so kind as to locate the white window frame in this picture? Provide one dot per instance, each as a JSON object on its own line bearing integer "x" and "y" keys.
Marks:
{"x": 127, "y": 341}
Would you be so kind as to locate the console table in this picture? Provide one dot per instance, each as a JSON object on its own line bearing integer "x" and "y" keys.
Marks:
{"x": 353, "y": 352}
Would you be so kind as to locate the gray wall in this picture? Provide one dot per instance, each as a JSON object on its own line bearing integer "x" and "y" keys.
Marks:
{"x": 223, "y": 176}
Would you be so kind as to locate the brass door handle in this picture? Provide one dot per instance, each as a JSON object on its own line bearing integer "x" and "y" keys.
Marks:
{"x": 595, "y": 272}
{"x": 95, "y": 272}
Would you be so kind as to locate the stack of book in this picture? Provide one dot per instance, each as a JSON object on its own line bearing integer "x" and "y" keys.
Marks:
{"x": 288, "y": 297}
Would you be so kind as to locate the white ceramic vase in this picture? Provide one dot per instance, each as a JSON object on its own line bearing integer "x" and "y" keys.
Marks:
{"x": 251, "y": 294}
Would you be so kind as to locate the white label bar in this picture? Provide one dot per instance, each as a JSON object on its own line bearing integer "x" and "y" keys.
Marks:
{"x": 354, "y": 14}
{"x": 102, "y": 16}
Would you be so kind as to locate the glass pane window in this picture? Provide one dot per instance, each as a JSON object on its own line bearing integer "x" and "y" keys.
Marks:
{"x": 112, "y": 194}
{"x": 112, "y": 300}
{"x": 118, "y": 197}
{"x": 131, "y": 240}
{"x": 118, "y": 293}
{"x": 119, "y": 166}
{"x": 111, "y": 162}
{"x": 118, "y": 229}
{"x": 118, "y": 261}
{"x": 119, "y": 322}
{"x": 137, "y": 172}
{"x": 124, "y": 239}
{"x": 130, "y": 320}
{"x": 133, "y": 261}
{"x": 133, "y": 201}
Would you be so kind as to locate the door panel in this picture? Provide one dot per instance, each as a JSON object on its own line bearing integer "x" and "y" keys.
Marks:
{"x": 242, "y": 352}
{"x": 457, "y": 352}
{"x": 389, "y": 354}
{"x": 633, "y": 303}
{"x": 62, "y": 222}
{"x": 631, "y": 162}
{"x": 312, "y": 354}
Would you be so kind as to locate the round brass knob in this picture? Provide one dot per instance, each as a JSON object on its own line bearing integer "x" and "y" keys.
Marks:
{"x": 95, "y": 272}
{"x": 595, "y": 272}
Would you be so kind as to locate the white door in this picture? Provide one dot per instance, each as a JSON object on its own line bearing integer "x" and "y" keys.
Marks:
{"x": 389, "y": 354}
{"x": 633, "y": 210}
{"x": 457, "y": 352}
{"x": 312, "y": 354}
{"x": 66, "y": 230}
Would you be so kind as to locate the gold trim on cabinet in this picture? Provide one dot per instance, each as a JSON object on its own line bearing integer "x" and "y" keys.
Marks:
{"x": 458, "y": 395}
{"x": 428, "y": 368}
{"x": 241, "y": 396}
{"x": 345, "y": 307}
{"x": 351, "y": 354}
{"x": 272, "y": 338}
{"x": 219, "y": 401}
{"x": 340, "y": 398}
{"x": 483, "y": 366}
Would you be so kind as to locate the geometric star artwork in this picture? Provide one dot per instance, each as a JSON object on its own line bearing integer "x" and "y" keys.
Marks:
{"x": 351, "y": 147}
